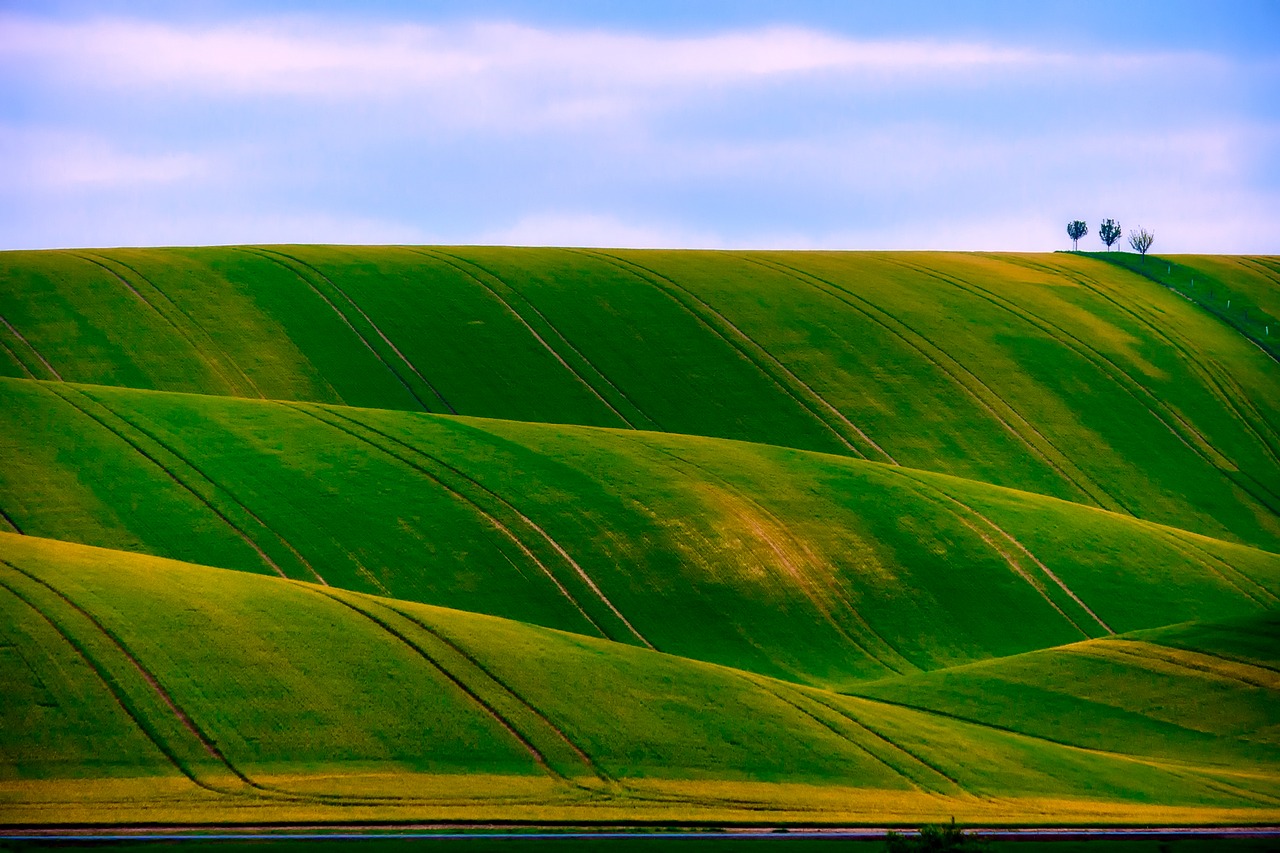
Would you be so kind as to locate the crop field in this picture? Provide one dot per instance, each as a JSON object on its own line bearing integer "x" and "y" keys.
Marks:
{"x": 324, "y": 534}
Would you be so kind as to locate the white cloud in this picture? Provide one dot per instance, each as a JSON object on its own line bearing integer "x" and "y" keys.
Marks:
{"x": 32, "y": 158}
{"x": 312, "y": 57}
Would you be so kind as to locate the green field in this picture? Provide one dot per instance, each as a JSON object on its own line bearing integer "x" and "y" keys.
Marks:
{"x": 379, "y": 534}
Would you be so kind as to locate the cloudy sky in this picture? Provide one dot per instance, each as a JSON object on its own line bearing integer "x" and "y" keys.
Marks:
{"x": 723, "y": 123}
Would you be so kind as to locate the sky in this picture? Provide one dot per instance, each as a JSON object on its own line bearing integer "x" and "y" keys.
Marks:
{"x": 746, "y": 124}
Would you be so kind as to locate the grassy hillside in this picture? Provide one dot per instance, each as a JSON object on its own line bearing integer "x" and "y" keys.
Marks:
{"x": 313, "y": 534}
{"x": 805, "y": 566}
{"x": 1242, "y": 292}
{"x": 259, "y": 697}
{"x": 1053, "y": 374}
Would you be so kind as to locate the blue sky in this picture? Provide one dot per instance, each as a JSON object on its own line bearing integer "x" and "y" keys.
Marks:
{"x": 844, "y": 125}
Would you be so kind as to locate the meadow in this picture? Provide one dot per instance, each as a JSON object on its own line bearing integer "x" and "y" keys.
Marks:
{"x": 321, "y": 533}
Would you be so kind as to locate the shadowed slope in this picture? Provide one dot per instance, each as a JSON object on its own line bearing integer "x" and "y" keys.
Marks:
{"x": 1053, "y": 374}
{"x": 258, "y": 696}
{"x": 805, "y": 566}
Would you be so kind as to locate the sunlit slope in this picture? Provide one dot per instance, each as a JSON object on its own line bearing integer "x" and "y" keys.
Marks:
{"x": 811, "y": 567}
{"x": 1057, "y": 374}
{"x": 1191, "y": 692}
{"x": 260, "y": 693}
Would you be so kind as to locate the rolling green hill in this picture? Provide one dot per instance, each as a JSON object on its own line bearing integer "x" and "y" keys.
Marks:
{"x": 259, "y": 697}
{"x": 807, "y": 566}
{"x": 1052, "y": 374}
{"x": 294, "y": 534}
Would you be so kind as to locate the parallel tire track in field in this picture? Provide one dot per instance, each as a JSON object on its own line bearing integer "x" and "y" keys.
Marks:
{"x": 207, "y": 348}
{"x": 13, "y": 355}
{"x": 1193, "y": 440}
{"x": 590, "y": 763}
{"x": 948, "y": 502}
{"x": 1145, "y": 761}
{"x": 65, "y": 396}
{"x": 47, "y": 366}
{"x": 271, "y": 258}
{"x": 457, "y": 682}
{"x": 961, "y": 376}
{"x": 200, "y": 354}
{"x": 104, "y": 675}
{"x": 748, "y": 349}
{"x": 216, "y": 487}
{"x": 376, "y": 328}
{"x": 459, "y": 496}
{"x": 525, "y": 520}
{"x": 1219, "y": 381}
{"x": 1199, "y": 444}
{"x": 807, "y": 588}
{"x": 826, "y": 724}
{"x": 893, "y": 745}
{"x": 462, "y": 266}
{"x": 1186, "y": 545}
{"x": 1182, "y": 659}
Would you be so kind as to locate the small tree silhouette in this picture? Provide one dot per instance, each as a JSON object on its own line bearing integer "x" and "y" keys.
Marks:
{"x": 1075, "y": 230}
{"x": 1109, "y": 231}
{"x": 1141, "y": 240}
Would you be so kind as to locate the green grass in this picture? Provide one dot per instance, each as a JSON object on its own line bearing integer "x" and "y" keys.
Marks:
{"x": 270, "y": 696}
{"x": 1052, "y": 374}
{"x": 805, "y": 566}
{"x": 1240, "y": 291}
{"x": 394, "y": 534}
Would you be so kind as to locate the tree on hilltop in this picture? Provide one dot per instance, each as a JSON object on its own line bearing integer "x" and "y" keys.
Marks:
{"x": 1141, "y": 240}
{"x": 1075, "y": 230}
{"x": 1109, "y": 231}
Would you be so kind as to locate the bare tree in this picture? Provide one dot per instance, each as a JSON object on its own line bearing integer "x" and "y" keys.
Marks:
{"x": 1075, "y": 230}
{"x": 1141, "y": 240}
{"x": 1109, "y": 231}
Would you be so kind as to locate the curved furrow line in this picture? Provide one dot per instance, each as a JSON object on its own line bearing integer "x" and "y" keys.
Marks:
{"x": 936, "y": 356}
{"x": 510, "y": 507}
{"x": 1146, "y": 761}
{"x": 568, "y": 343}
{"x": 893, "y": 744}
{"x": 744, "y": 345}
{"x": 1186, "y": 545}
{"x": 343, "y": 317}
{"x": 109, "y": 682}
{"x": 34, "y": 351}
{"x": 1198, "y": 444}
{"x": 182, "y": 333}
{"x": 457, "y": 682}
{"x": 1148, "y": 652}
{"x": 1206, "y": 369}
{"x": 457, "y": 264}
{"x": 8, "y": 519}
{"x": 1215, "y": 380}
{"x": 174, "y": 477}
{"x": 259, "y": 789}
{"x": 586, "y": 759}
{"x": 18, "y": 361}
{"x": 147, "y": 676}
{"x": 1269, "y": 272}
{"x": 168, "y": 448}
{"x": 933, "y": 494}
{"x": 209, "y": 344}
{"x": 777, "y": 694}
{"x": 377, "y": 329}
{"x": 462, "y": 498}
{"x": 813, "y": 594}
